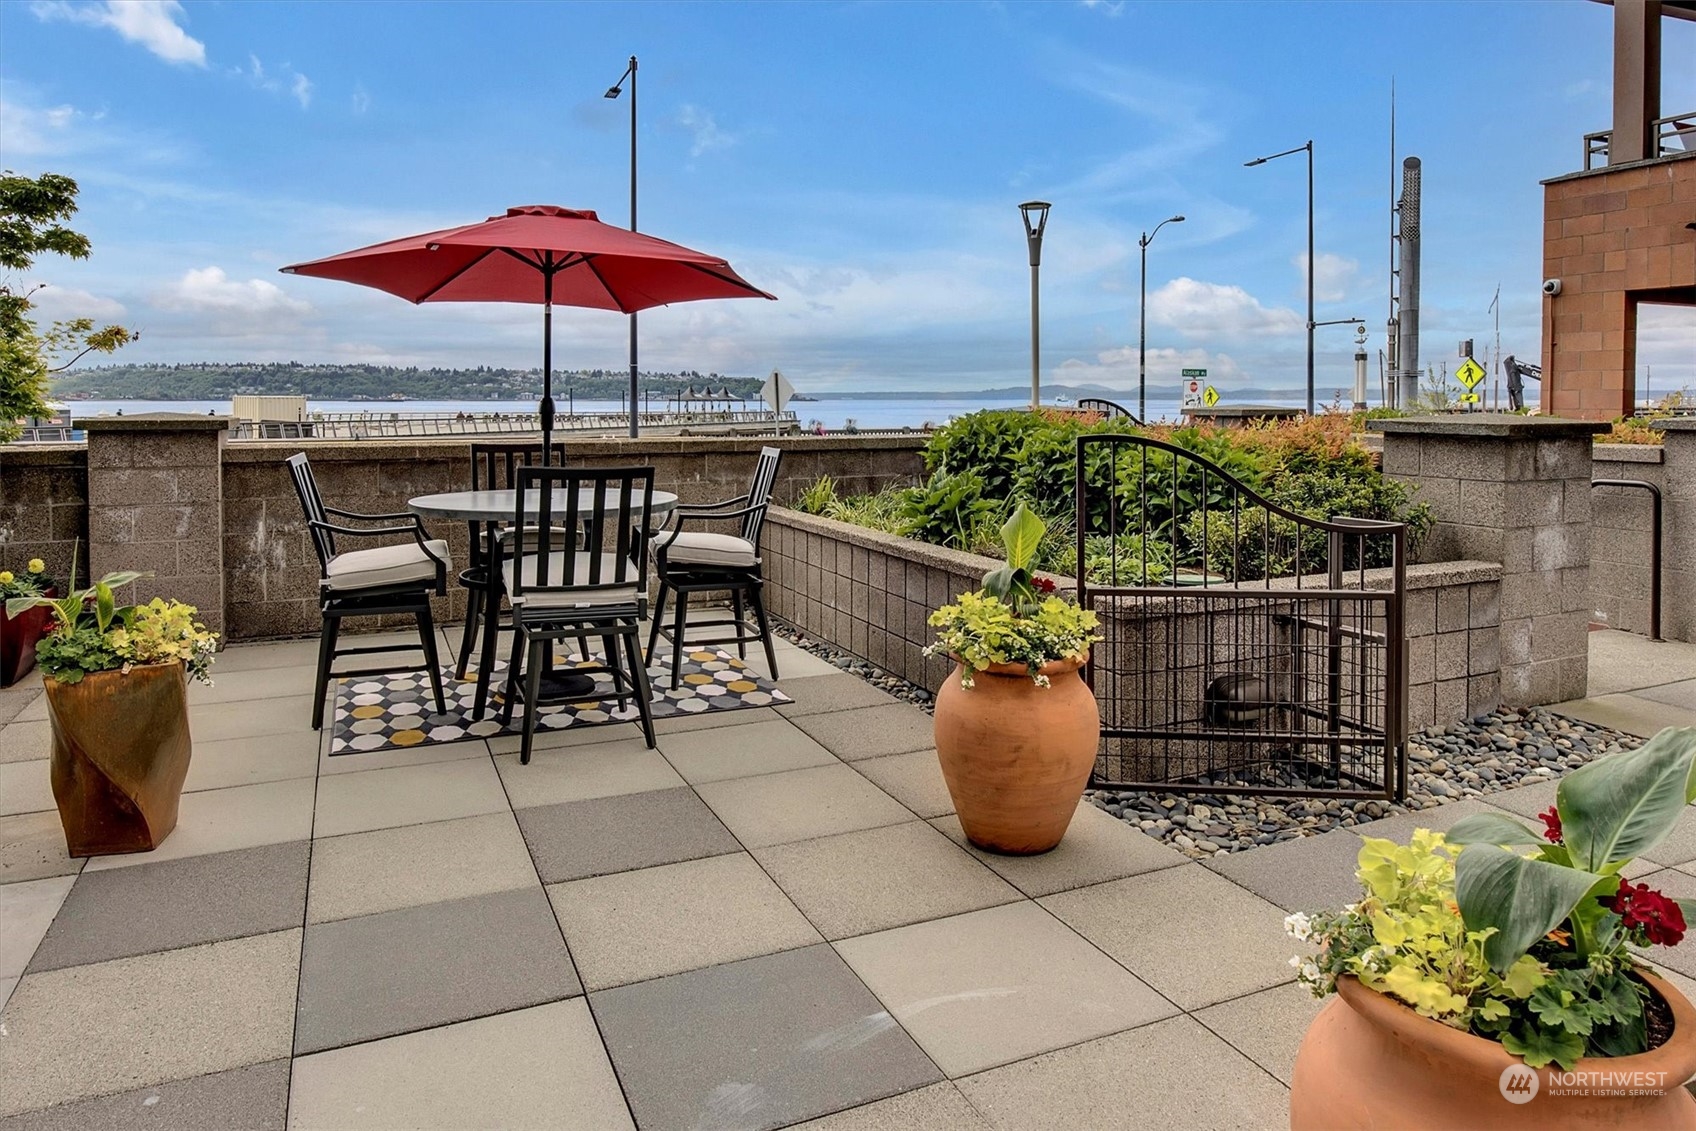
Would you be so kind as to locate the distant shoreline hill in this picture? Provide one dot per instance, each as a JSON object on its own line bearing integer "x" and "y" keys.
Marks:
{"x": 211, "y": 381}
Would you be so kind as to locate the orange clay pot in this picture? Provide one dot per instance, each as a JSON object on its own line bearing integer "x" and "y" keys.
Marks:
{"x": 1017, "y": 756}
{"x": 1371, "y": 1062}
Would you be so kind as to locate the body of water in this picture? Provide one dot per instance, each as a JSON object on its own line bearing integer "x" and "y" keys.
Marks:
{"x": 864, "y": 412}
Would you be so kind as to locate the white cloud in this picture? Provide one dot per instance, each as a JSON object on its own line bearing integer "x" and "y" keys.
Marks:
{"x": 54, "y": 303}
{"x": 1117, "y": 368}
{"x": 1217, "y": 310}
{"x": 30, "y": 131}
{"x": 1333, "y": 277}
{"x": 361, "y": 100}
{"x": 151, "y": 23}
{"x": 708, "y": 136}
{"x": 285, "y": 80}
{"x": 1110, "y": 8}
{"x": 208, "y": 290}
{"x": 301, "y": 88}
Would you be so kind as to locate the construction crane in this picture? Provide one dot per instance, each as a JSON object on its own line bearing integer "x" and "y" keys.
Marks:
{"x": 1517, "y": 371}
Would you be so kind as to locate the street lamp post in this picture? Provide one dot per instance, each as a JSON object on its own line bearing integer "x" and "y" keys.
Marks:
{"x": 1310, "y": 323}
{"x": 613, "y": 92}
{"x": 1033, "y": 239}
{"x": 1142, "y": 318}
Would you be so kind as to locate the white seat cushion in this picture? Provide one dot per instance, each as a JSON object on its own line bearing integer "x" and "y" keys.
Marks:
{"x": 574, "y": 598}
{"x": 704, "y": 548}
{"x": 385, "y": 565}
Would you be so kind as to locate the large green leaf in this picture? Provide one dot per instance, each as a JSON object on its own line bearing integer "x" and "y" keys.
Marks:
{"x": 1623, "y": 805}
{"x": 1022, "y": 535}
{"x": 1491, "y": 828}
{"x": 1522, "y": 899}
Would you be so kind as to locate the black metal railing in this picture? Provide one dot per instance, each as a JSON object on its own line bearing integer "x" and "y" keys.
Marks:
{"x": 1654, "y": 545}
{"x": 1673, "y": 134}
{"x": 1112, "y": 410}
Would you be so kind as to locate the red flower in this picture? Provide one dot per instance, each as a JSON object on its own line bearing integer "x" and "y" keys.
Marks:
{"x": 1042, "y": 584}
{"x": 1660, "y": 919}
{"x": 1551, "y": 819}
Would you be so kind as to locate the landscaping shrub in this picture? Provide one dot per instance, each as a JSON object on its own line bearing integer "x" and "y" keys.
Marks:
{"x": 950, "y": 510}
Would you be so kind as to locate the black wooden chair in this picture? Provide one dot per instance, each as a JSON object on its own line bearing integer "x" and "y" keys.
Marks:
{"x": 380, "y": 581}
{"x": 492, "y": 469}
{"x": 560, "y": 593}
{"x": 700, "y": 561}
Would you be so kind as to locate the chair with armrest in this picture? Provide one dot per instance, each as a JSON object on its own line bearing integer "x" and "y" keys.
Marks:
{"x": 398, "y": 578}
{"x": 701, "y": 561}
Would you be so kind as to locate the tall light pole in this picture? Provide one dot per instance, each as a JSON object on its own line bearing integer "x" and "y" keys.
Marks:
{"x": 613, "y": 92}
{"x": 1033, "y": 239}
{"x": 1310, "y": 323}
{"x": 1142, "y": 318}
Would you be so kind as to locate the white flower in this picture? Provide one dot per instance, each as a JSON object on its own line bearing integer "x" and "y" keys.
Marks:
{"x": 1309, "y": 972}
{"x": 1298, "y": 926}
{"x": 1296, "y": 962}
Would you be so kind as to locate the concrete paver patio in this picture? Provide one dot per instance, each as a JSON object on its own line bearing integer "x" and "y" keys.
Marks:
{"x": 772, "y": 920}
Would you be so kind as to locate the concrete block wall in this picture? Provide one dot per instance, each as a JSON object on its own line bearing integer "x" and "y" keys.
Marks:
{"x": 1516, "y": 491}
{"x": 44, "y": 507}
{"x": 1620, "y": 530}
{"x": 1678, "y": 600}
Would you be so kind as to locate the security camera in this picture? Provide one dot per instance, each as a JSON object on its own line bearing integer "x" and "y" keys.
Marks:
{"x": 1551, "y": 287}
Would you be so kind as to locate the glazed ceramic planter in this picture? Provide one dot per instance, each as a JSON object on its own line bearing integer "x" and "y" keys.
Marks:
{"x": 120, "y": 754}
{"x": 1017, "y": 756}
{"x": 1371, "y": 1062}
{"x": 18, "y": 638}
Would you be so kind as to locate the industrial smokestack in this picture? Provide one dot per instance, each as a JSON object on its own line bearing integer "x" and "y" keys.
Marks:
{"x": 1408, "y": 330}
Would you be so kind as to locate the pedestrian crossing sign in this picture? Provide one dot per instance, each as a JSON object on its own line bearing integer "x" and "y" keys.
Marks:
{"x": 1470, "y": 398}
{"x": 1469, "y": 373}
{"x": 1210, "y": 396}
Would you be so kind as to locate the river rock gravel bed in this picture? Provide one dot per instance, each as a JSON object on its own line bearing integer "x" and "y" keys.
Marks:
{"x": 1503, "y": 749}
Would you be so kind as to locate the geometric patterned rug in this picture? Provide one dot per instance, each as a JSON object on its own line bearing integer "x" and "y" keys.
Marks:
{"x": 396, "y": 711}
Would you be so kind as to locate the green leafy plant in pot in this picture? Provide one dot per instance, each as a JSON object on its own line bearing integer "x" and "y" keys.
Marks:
{"x": 19, "y": 634}
{"x": 116, "y": 680}
{"x": 1497, "y": 954}
{"x": 1016, "y": 726}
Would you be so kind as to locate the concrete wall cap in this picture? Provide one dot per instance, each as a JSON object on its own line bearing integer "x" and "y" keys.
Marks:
{"x": 1490, "y": 426}
{"x": 1664, "y": 159}
{"x": 1676, "y": 424}
{"x": 1629, "y": 453}
{"x": 614, "y": 449}
{"x": 156, "y": 422}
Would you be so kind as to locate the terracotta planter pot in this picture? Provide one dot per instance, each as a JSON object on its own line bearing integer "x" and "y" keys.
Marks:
{"x": 18, "y": 638}
{"x": 1016, "y": 756}
{"x": 120, "y": 754}
{"x": 1370, "y": 1062}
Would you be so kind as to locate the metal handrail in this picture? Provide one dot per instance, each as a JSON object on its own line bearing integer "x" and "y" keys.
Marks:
{"x": 1654, "y": 549}
{"x": 1675, "y": 128}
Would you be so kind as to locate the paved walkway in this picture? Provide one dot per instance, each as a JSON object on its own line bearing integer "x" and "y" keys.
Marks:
{"x": 769, "y": 921}
{"x": 1637, "y": 685}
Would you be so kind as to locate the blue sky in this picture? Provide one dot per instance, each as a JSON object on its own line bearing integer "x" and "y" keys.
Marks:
{"x": 863, "y": 161}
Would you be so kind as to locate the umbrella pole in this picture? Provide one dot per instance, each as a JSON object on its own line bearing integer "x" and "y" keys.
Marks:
{"x": 547, "y": 366}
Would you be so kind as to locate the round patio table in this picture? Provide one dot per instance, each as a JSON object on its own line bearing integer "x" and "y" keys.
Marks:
{"x": 493, "y": 507}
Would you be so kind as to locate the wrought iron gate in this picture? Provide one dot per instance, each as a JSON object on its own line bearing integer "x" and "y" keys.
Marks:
{"x": 1247, "y": 648}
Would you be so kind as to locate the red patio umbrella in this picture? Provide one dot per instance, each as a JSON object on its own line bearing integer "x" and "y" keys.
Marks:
{"x": 539, "y": 253}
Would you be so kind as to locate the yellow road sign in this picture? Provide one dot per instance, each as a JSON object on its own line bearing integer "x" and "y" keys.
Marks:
{"x": 1210, "y": 396}
{"x": 1469, "y": 373}
{"x": 1471, "y": 398}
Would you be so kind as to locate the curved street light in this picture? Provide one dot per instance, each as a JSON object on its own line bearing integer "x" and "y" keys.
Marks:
{"x": 1142, "y": 318}
{"x": 1035, "y": 215}
{"x": 614, "y": 91}
{"x": 1308, "y": 147}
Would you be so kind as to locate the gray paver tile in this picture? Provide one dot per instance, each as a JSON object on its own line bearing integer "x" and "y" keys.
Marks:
{"x": 711, "y": 720}
{"x": 1681, "y": 694}
{"x": 1632, "y": 714}
{"x": 32, "y": 847}
{"x": 7, "y": 985}
{"x": 1097, "y": 847}
{"x": 365, "y": 873}
{"x": 547, "y": 738}
{"x": 999, "y": 985}
{"x": 1525, "y": 801}
{"x": 871, "y": 732}
{"x": 577, "y": 773}
{"x": 237, "y": 686}
{"x": 838, "y": 691}
{"x": 427, "y": 754}
{"x": 1306, "y": 874}
{"x": 1267, "y": 1027}
{"x": 95, "y": 1030}
{"x": 286, "y": 715}
{"x": 248, "y": 761}
{"x": 25, "y": 787}
{"x": 914, "y": 779}
{"x": 760, "y": 1043}
{"x": 177, "y": 903}
{"x": 537, "y": 1067}
{"x": 939, "y": 1107}
{"x": 23, "y": 703}
{"x": 381, "y": 975}
{"x": 224, "y": 820}
{"x": 633, "y": 926}
{"x": 1440, "y": 818}
{"x": 1194, "y": 936}
{"x": 1680, "y": 845}
{"x": 618, "y": 834}
{"x": 409, "y": 795}
{"x": 799, "y": 804}
{"x": 26, "y": 742}
{"x": 1131, "y": 1081}
{"x": 270, "y": 654}
{"x": 26, "y": 911}
{"x": 859, "y": 882}
{"x": 766, "y": 747}
{"x": 254, "y": 1098}
{"x": 793, "y": 663}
